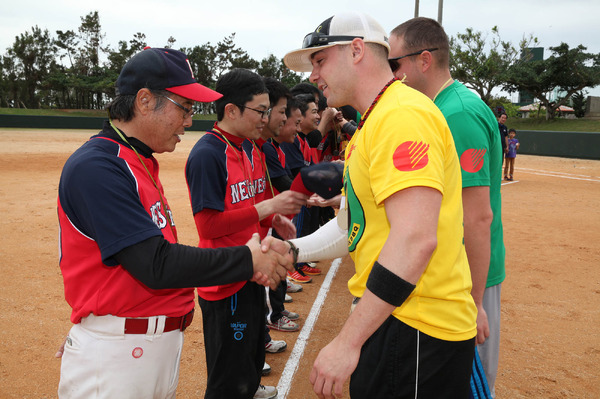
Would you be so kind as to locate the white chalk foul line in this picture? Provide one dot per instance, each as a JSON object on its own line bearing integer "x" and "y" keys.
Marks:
{"x": 559, "y": 174}
{"x": 291, "y": 366}
{"x": 509, "y": 182}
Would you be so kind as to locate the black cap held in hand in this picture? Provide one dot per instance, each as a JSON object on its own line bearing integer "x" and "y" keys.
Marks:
{"x": 324, "y": 179}
{"x": 162, "y": 69}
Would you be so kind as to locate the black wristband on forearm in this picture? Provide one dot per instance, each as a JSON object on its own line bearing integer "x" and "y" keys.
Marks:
{"x": 388, "y": 286}
{"x": 294, "y": 251}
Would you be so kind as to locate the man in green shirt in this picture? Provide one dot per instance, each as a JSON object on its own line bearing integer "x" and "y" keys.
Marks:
{"x": 419, "y": 54}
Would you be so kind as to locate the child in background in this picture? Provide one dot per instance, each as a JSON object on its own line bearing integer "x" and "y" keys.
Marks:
{"x": 513, "y": 146}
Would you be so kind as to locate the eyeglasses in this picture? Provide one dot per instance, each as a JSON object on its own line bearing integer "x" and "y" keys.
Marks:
{"x": 263, "y": 113}
{"x": 394, "y": 64}
{"x": 316, "y": 39}
{"x": 187, "y": 111}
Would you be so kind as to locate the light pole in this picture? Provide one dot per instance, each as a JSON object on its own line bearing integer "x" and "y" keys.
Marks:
{"x": 440, "y": 8}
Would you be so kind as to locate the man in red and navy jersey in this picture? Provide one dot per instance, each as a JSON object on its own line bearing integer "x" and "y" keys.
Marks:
{"x": 228, "y": 204}
{"x": 129, "y": 283}
{"x": 279, "y": 179}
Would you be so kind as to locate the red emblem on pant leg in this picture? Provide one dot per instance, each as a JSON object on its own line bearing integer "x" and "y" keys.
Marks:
{"x": 137, "y": 352}
{"x": 411, "y": 155}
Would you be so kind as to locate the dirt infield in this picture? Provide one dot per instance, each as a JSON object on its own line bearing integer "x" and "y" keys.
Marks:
{"x": 550, "y": 345}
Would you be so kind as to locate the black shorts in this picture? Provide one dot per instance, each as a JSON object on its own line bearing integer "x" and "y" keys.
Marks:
{"x": 398, "y": 361}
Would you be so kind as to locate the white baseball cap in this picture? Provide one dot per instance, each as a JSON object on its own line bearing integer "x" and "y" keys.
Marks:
{"x": 339, "y": 29}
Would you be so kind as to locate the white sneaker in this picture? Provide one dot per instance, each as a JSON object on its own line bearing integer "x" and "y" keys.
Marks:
{"x": 265, "y": 392}
{"x": 288, "y": 299}
{"x": 290, "y": 315}
{"x": 275, "y": 346}
{"x": 284, "y": 324}
{"x": 291, "y": 287}
{"x": 266, "y": 369}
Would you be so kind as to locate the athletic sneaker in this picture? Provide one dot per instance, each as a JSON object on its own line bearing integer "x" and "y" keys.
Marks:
{"x": 266, "y": 369}
{"x": 288, "y": 299}
{"x": 275, "y": 346}
{"x": 284, "y": 324}
{"x": 265, "y": 392}
{"x": 299, "y": 278}
{"x": 311, "y": 271}
{"x": 290, "y": 315}
{"x": 291, "y": 287}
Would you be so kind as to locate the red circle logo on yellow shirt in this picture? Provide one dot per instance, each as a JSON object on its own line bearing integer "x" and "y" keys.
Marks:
{"x": 411, "y": 155}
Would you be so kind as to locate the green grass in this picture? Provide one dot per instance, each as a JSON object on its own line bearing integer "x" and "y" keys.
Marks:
{"x": 563, "y": 125}
{"x": 74, "y": 112}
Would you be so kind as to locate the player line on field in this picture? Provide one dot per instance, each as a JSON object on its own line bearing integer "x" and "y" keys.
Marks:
{"x": 509, "y": 182}
{"x": 291, "y": 366}
{"x": 560, "y": 174}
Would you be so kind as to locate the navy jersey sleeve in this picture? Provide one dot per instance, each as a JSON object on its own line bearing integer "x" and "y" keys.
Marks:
{"x": 98, "y": 193}
{"x": 206, "y": 174}
{"x": 273, "y": 163}
{"x": 293, "y": 155}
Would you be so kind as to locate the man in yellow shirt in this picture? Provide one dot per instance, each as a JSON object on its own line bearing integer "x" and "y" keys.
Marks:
{"x": 412, "y": 333}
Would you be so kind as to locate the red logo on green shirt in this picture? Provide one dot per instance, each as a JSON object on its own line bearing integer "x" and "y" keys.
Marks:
{"x": 411, "y": 155}
{"x": 472, "y": 160}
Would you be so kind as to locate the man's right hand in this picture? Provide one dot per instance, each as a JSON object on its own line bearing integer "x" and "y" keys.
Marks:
{"x": 270, "y": 266}
{"x": 287, "y": 203}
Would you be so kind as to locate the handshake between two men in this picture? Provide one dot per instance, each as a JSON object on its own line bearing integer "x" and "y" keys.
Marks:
{"x": 273, "y": 258}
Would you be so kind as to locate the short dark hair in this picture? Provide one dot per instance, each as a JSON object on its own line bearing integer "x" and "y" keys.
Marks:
{"x": 277, "y": 90}
{"x": 238, "y": 86}
{"x": 423, "y": 33}
{"x": 305, "y": 88}
{"x": 512, "y": 130}
{"x": 122, "y": 107}
{"x": 303, "y": 101}
{"x": 292, "y": 104}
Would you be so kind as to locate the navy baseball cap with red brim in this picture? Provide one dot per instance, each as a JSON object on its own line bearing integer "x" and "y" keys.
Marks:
{"x": 163, "y": 69}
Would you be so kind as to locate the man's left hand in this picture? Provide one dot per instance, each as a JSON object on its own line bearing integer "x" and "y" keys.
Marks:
{"x": 333, "y": 367}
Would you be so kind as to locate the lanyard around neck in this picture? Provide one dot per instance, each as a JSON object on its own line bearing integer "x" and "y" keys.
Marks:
{"x": 162, "y": 201}
{"x": 243, "y": 166}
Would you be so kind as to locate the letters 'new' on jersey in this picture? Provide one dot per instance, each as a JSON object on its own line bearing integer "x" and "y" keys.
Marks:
{"x": 222, "y": 176}
{"x": 106, "y": 203}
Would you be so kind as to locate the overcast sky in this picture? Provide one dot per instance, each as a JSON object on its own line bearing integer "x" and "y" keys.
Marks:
{"x": 278, "y": 26}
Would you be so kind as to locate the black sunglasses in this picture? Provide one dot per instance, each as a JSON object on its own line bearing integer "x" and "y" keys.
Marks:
{"x": 316, "y": 39}
{"x": 394, "y": 64}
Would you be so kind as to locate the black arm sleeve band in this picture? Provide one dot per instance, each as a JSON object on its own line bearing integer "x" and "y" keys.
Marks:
{"x": 295, "y": 171}
{"x": 282, "y": 183}
{"x": 388, "y": 286}
{"x": 160, "y": 264}
{"x": 349, "y": 128}
{"x": 314, "y": 138}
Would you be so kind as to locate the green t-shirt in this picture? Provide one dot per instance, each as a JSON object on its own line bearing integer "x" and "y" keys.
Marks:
{"x": 475, "y": 132}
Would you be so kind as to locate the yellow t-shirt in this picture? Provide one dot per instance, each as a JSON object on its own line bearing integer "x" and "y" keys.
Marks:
{"x": 406, "y": 142}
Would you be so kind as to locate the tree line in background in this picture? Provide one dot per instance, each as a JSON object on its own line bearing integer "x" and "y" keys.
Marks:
{"x": 67, "y": 70}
